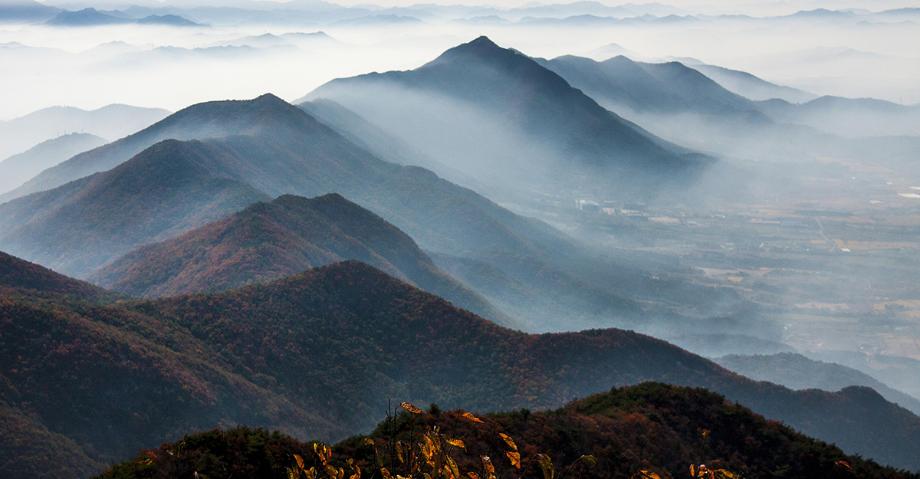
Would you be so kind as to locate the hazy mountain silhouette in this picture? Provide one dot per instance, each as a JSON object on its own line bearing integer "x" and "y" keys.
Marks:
{"x": 268, "y": 241}
{"x": 169, "y": 188}
{"x": 201, "y": 121}
{"x": 798, "y": 372}
{"x": 321, "y": 351}
{"x": 18, "y": 168}
{"x": 279, "y": 149}
{"x": 651, "y": 87}
{"x": 531, "y": 127}
{"x": 113, "y": 121}
{"x": 751, "y": 86}
{"x": 90, "y": 17}
{"x": 851, "y": 117}
{"x": 25, "y": 11}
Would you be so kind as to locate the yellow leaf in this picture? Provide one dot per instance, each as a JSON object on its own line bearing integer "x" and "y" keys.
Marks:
{"x": 725, "y": 474}
{"x": 299, "y": 459}
{"x": 470, "y": 417}
{"x": 515, "y": 458}
{"x": 646, "y": 474}
{"x": 488, "y": 467}
{"x": 508, "y": 441}
{"x": 410, "y": 408}
{"x": 457, "y": 443}
{"x": 452, "y": 465}
{"x": 546, "y": 465}
{"x": 472, "y": 475}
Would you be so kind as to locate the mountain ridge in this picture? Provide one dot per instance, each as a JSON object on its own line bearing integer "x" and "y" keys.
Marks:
{"x": 268, "y": 241}
{"x": 280, "y": 347}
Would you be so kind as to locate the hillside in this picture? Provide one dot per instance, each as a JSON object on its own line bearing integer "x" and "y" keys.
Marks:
{"x": 532, "y": 128}
{"x": 798, "y": 372}
{"x": 651, "y": 427}
{"x": 20, "y": 275}
{"x": 18, "y": 168}
{"x": 169, "y": 188}
{"x": 201, "y": 121}
{"x": 280, "y": 149}
{"x": 317, "y": 354}
{"x": 268, "y": 241}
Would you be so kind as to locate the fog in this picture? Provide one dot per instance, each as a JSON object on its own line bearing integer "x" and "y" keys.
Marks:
{"x": 91, "y": 67}
{"x": 799, "y": 233}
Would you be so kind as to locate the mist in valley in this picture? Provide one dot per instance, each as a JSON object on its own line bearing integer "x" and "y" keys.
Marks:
{"x": 739, "y": 181}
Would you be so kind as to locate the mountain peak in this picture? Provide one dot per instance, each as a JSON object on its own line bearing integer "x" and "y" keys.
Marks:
{"x": 269, "y": 98}
{"x": 482, "y": 48}
{"x": 483, "y": 41}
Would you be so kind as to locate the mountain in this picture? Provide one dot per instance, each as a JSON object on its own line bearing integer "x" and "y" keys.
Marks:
{"x": 168, "y": 20}
{"x": 87, "y": 17}
{"x": 201, "y": 121}
{"x": 319, "y": 353}
{"x": 900, "y": 372}
{"x": 652, "y": 427}
{"x": 750, "y": 86}
{"x": 169, "y": 188}
{"x": 16, "y": 169}
{"x": 520, "y": 265}
{"x": 672, "y": 87}
{"x": 268, "y": 241}
{"x": 798, "y": 372}
{"x": 532, "y": 128}
{"x": 113, "y": 121}
{"x": 90, "y": 17}
{"x": 849, "y": 117}
{"x": 25, "y": 11}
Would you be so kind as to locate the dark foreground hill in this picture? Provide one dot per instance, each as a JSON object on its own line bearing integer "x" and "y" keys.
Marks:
{"x": 268, "y": 241}
{"x": 317, "y": 355}
{"x": 19, "y": 275}
{"x": 651, "y": 427}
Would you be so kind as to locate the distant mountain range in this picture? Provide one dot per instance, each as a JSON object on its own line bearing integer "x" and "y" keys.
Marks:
{"x": 652, "y": 427}
{"x": 25, "y": 11}
{"x": 16, "y": 169}
{"x": 798, "y": 372}
{"x": 620, "y": 83}
{"x": 268, "y": 241}
{"x": 90, "y": 17}
{"x": 319, "y": 352}
{"x": 110, "y": 122}
{"x": 851, "y": 117}
{"x": 533, "y": 129}
{"x": 750, "y": 86}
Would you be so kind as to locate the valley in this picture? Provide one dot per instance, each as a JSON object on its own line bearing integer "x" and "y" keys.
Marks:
{"x": 443, "y": 241}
